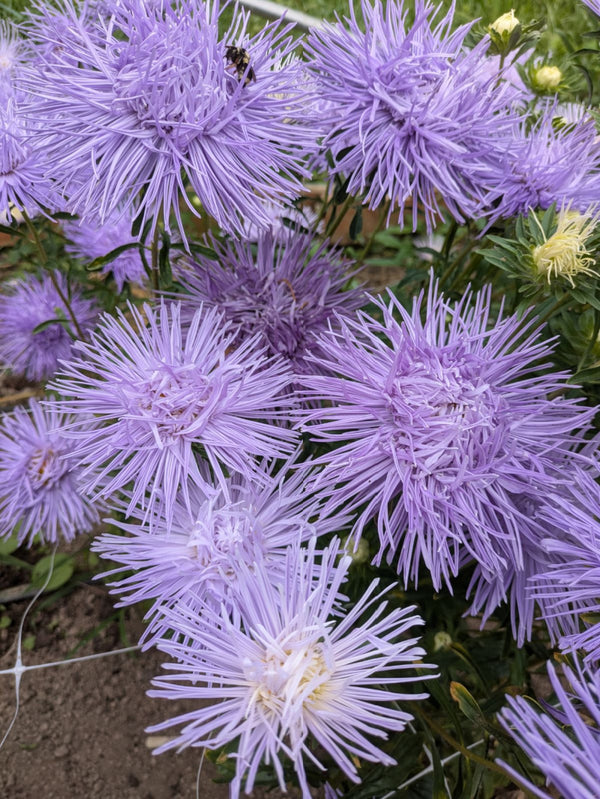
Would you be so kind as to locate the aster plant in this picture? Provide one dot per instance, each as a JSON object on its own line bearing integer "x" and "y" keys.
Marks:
{"x": 283, "y": 289}
{"x": 442, "y": 428}
{"x": 40, "y": 317}
{"x": 157, "y": 393}
{"x": 126, "y": 125}
{"x": 280, "y": 672}
{"x": 408, "y": 111}
{"x": 40, "y": 478}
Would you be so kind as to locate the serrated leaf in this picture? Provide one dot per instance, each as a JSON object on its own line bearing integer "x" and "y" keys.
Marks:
{"x": 64, "y": 566}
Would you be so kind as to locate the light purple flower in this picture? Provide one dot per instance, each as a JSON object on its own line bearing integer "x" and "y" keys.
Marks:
{"x": 26, "y": 305}
{"x": 23, "y": 182}
{"x": 40, "y": 485}
{"x": 565, "y": 743}
{"x": 593, "y": 5}
{"x": 545, "y": 164}
{"x": 280, "y": 670}
{"x": 552, "y": 524}
{"x": 158, "y": 393}
{"x": 138, "y": 107}
{"x": 442, "y": 430}
{"x": 241, "y": 521}
{"x": 280, "y": 289}
{"x": 90, "y": 240}
{"x": 569, "y": 587}
{"x": 408, "y": 111}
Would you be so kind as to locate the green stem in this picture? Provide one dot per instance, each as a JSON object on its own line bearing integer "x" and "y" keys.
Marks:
{"x": 324, "y": 205}
{"x": 371, "y": 240}
{"x": 154, "y": 263}
{"x": 44, "y": 260}
{"x": 554, "y": 308}
{"x": 591, "y": 342}
{"x": 335, "y": 221}
{"x": 482, "y": 761}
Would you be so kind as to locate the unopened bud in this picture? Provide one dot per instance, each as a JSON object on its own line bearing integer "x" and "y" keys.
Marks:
{"x": 505, "y": 24}
{"x": 547, "y": 78}
{"x": 357, "y": 550}
{"x": 442, "y": 640}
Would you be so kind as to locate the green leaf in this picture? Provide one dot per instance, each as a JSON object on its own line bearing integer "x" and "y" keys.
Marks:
{"x": 5, "y": 621}
{"x": 29, "y": 642}
{"x": 356, "y": 224}
{"x": 48, "y": 322}
{"x": 64, "y": 566}
{"x": 194, "y": 246}
{"x": 9, "y": 545}
{"x": 102, "y": 260}
{"x": 467, "y": 704}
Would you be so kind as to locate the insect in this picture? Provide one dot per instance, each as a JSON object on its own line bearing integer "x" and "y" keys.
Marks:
{"x": 240, "y": 59}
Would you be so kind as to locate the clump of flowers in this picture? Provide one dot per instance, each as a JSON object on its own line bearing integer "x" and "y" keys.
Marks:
{"x": 405, "y": 113}
{"x": 39, "y": 320}
{"x": 280, "y": 670}
{"x": 440, "y": 431}
{"x": 40, "y": 479}
{"x": 156, "y": 393}
{"x": 136, "y": 110}
{"x": 283, "y": 290}
{"x": 564, "y": 743}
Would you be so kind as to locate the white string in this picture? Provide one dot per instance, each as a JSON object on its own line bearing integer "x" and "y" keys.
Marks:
{"x": 18, "y": 669}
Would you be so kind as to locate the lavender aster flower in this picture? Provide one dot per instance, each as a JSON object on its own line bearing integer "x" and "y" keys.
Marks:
{"x": 40, "y": 486}
{"x": 568, "y": 589}
{"x": 280, "y": 670}
{"x": 408, "y": 112}
{"x": 27, "y": 305}
{"x": 279, "y": 290}
{"x": 142, "y": 105}
{"x": 89, "y": 240}
{"x": 157, "y": 393}
{"x": 242, "y": 521}
{"x": 23, "y": 181}
{"x": 563, "y": 744}
{"x": 546, "y": 164}
{"x": 593, "y": 5}
{"x": 551, "y": 525}
{"x": 442, "y": 431}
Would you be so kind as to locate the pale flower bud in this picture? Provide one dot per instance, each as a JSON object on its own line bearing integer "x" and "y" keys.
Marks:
{"x": 505, "y": 24}
{"x": 547, "y": 78}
